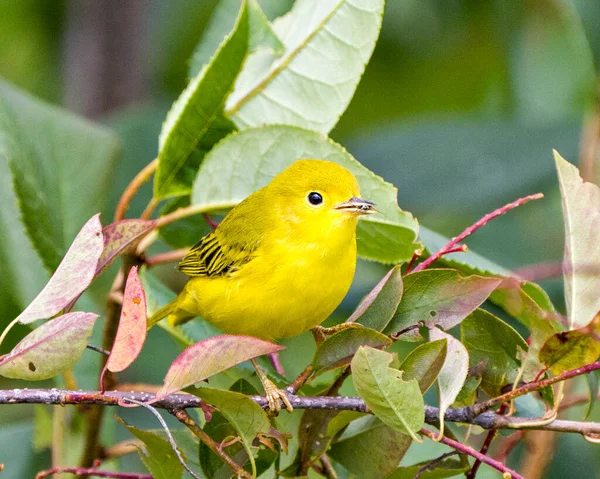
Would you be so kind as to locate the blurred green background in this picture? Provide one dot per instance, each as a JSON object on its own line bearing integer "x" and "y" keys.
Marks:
{"x": 460, "y": 107}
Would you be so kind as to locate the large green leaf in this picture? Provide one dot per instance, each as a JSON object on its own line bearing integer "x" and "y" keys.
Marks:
{"x": 495, "y": 346}
{"x": 439, "y": 296}
{"x": 369, "y": 448}
{"x": 243, "y": 414}
{"x": 398, "y": 403}
{"x": 247, "y": 161}
{"x": 424, "y": 363}
{"x": 581, "y": 267}
{"x": 222, "y": 22}
{"x": 327, "y": 45}
{"x": 196, "y": 121}
{"x": 61, "y": 169}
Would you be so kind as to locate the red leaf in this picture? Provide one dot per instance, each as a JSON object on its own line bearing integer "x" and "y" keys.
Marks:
{"x": 132, "y": 327}
{"x": 73, "y": 275}
{"x": 212, "y": 356}
{"x": 119, "y": 236}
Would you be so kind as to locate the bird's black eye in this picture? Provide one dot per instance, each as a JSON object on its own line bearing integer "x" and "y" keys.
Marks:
{"x": 315, "y": 198}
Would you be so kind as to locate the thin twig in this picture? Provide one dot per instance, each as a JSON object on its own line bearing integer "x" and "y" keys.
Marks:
{"x": 474, "y": 227}
{"x": 84, "y": 471}
{"x": 509, "y": 444}
{"x": 133, "y": 187}
{"x": 472, "y": 452}
{"x": 149, "y": 209}
{"x": 534, "y": 386}
{"x": 98, "y": 350}
{"x": 189, "y": 211}
{"x": 169, "y": 436}
{"x": 300, "y": 381}
{"x": 188, "y": 422}
{"x": 212, "y": 223}
{"x": 327, "y": 467}
{"x": 486, "y": 445}
{"x": 168, "y": 257}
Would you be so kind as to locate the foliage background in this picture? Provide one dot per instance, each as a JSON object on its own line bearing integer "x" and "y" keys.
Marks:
{"x": 459, "y": 107}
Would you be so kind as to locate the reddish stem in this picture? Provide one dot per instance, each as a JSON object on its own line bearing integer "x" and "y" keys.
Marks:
{"x": 415, "y": 255}
{"x": 133, "y": 187}
{"x": 474, "y": 227}
{"x": 168, "y": 257}
{"x": 82, "y": 471}
{"x": 486, "y": 445}
{"x": 276, "y": 362}
{"x": 472, "y": 452}
{"x": 213, "y": 224}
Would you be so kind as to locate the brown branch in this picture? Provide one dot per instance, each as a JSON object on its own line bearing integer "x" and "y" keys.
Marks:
{"x": 83, "y": 471}
{"x": 451, "y": 245}
{"x": 472, "y": 452}
{"x": 133, "y": 187}
{"x": 486, "y": 420}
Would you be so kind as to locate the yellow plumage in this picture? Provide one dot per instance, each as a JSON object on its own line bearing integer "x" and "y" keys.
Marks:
{"x": 281, "y": 261}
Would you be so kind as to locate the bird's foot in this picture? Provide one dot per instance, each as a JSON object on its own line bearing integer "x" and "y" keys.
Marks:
{"x": 275, "y": 397}
{"x": 320, "y": 333}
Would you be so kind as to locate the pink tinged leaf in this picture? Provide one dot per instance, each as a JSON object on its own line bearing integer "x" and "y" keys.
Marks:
{"x": 119, "y": 236}
{"x": 50, "y": 349}
{"x": 132, "y": 327}
{"x": 72, "y": 277}
{"x": 581, "y": 264}
{"x": 212, "y": 356}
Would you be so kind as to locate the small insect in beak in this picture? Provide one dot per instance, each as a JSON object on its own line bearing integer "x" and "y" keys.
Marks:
{"x": 357, "y": 205}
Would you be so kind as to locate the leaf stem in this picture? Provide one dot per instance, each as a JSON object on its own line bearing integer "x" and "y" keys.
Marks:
{"x": 451, "y": 245}
{"x": 168, "y": 257}
{"x": 133, "y": 187}
{"x": 473, "y": 453}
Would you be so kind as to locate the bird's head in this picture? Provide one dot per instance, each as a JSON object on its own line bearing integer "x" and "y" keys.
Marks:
{"x": 320, "y": 193}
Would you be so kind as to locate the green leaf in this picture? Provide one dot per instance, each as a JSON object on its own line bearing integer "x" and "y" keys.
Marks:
{"x": 61, "y": 168}
{"x": 424, "y": 363}
{"x": 50, "y": 349}
{"x": 581, "y": 266}
{"x": 305, "y": 86}
{"x": 592, "y": 379}
{"x": 439, "y": 297}
{"x": 398, "y": 403}
{"x": 369, "y": 448}
{"x": 222, "y": 22}
{"x": 247, "y": 417}
{"x": 569, "y": 350}
{"x": 221, "y": 430}
{"x": 494, "y": 344}
{"x": 157, "y": 455}
{"x": 196, "y": 119}
{"x": 517, "y": 299}
{"x": 247, "y": 161}
{"x": 454, "y": 372}
{"x": 377, "y": 308}
{"x": 338, "y": 349}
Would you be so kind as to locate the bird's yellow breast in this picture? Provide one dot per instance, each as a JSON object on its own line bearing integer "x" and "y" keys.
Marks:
{"x": 288, "y": 287}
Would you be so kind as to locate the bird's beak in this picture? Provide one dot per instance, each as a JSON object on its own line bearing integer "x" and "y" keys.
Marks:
{"x": 357, "y": 205}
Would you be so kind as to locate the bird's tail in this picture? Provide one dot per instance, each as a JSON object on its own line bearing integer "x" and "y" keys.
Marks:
{"x": 162, "y": 313}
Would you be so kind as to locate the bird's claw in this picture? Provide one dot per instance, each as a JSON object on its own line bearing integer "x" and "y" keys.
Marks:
{"x": 275, "y": 397}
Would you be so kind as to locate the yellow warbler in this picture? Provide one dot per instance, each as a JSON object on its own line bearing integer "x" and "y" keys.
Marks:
{"x": 281, "y": 261}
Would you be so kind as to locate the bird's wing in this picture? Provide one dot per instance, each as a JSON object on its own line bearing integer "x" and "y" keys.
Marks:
{"x": 230, "y": 246}
{"x": 212, "y": 257}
